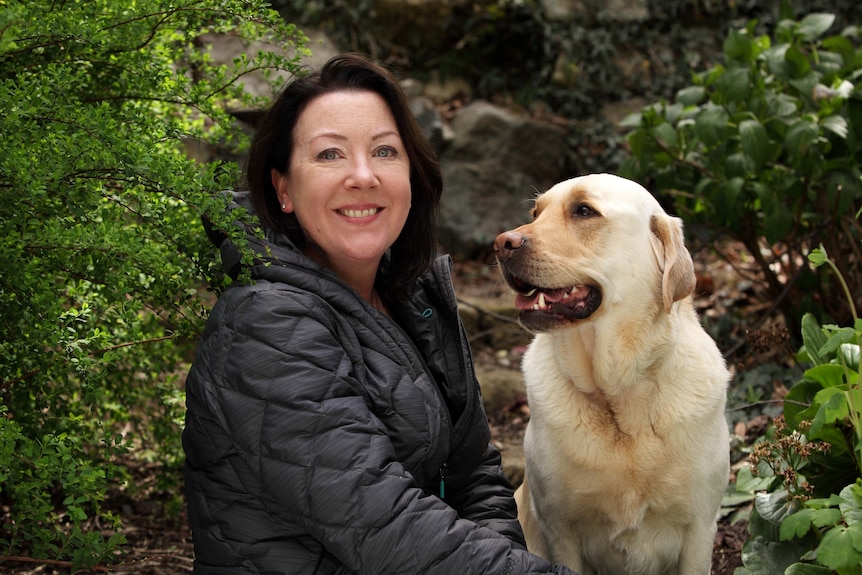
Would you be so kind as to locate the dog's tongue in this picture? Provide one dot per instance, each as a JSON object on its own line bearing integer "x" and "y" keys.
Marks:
{"x": 523, "y": 302}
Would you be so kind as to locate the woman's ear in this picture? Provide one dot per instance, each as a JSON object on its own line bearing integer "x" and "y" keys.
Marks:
{"x": 279, "y": 182}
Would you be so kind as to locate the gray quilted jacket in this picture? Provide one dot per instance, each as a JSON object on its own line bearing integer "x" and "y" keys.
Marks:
{"x": 322, "y": 437}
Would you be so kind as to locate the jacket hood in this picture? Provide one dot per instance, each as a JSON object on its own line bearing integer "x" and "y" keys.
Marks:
{"x": 265, "y": 244}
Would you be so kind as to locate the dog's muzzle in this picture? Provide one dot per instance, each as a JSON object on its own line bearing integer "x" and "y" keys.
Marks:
{"x": 542, "y": 308}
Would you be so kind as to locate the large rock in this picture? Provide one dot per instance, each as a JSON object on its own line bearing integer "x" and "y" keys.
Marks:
{"x": 495, "y": 165}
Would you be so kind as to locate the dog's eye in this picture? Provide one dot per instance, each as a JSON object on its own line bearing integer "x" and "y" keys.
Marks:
{"x": 584, "y": 211}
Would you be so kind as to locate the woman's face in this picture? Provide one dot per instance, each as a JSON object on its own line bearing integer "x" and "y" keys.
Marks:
{"x": 348, "y": 181}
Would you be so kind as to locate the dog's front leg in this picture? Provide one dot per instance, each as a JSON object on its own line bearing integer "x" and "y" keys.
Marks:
{"x": 528, "y": 520}
{"x": 696, "y": 556}
{"x": 541, "y": 539}
{"x": 562, "y": 543}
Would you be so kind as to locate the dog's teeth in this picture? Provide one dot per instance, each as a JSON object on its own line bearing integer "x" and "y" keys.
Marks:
{"x": 530, "y": 293}
{"x": 540, "y": 303}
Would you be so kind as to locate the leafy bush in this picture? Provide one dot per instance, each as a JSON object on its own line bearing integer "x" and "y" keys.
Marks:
{"x": 808, "y": 517}
{"x": 766, "y": 148}
{"x": 101, "y": 247}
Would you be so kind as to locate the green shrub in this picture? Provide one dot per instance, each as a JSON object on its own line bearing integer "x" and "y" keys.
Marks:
{"x": 807, "y": 517}
{"x": 101, "y": 248}
{"x": 765, "y": 147}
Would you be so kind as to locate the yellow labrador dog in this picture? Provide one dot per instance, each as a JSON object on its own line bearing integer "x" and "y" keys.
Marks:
{"x": 627, "y": 453}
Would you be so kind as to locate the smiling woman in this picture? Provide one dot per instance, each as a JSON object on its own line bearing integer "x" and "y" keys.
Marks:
{"x": 334, "y": 421}
{"x": 348, "y": 182}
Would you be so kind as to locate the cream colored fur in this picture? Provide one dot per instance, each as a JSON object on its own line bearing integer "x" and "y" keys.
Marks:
{"x": 627, "y": 444}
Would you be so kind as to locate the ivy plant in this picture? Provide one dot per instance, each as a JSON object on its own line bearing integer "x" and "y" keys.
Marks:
{"x": 103, "y": 256}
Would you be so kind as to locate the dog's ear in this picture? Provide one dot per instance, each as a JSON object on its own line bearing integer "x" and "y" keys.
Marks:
{"x": 678, "y": 278}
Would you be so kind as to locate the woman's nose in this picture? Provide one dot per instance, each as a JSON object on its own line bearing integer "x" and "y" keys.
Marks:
{"x": 362, "y": 174}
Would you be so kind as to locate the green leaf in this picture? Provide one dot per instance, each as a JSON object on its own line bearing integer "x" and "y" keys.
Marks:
{"x": 851, "y": 503}
{"x": 733, "y": 86}
{"x": 777, "y": 62}
{"x": 840, "y": 547}
{"x": 775, "y": 507}
{"x": 833, "y": 407}
{"x": 778, "y": 221}
{"x": 825, "y": 517}
{"x": 802, "y": 137}
{"x": 823, "y": 502}
{"x": 745, "y": 481}
{"x": 631, "y": 121}
{"x": 848, "y": 354}
{"x": 755, "y": 142}
{"x": 827, "y": 375}
{"x": 796, "y": 525}
{"x": 813, "y": 338}
{"x": 666, "y": 134}
{"x": 841, "y": 336}
{"x": 691, "y": 96}
{"x": 813, "y": 26}
{"x": 798, "y": 400}
{"x": 736, "y": 168}
{"x": 763, "y": 557}
{"x": 837, "y": 125}
{"x": 710, "y": 126}
{"x": 782, "y": 105}
{"x": 738, "y": 46}
{"x": 807, "y": 569}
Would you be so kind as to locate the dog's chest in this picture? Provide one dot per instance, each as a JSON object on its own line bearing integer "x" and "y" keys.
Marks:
{"x": 634, "y": 468}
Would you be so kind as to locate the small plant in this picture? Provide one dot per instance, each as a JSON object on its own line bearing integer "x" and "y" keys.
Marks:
{"x": 808, "y": 520}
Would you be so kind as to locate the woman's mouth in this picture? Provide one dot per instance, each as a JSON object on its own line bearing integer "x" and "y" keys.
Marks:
{"x": 366, "y": 213}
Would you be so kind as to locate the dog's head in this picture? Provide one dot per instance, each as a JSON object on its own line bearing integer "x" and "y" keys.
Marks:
{"x": 595, "y": 242}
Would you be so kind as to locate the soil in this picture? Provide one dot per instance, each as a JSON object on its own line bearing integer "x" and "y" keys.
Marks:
{"x": 729, "y": 300}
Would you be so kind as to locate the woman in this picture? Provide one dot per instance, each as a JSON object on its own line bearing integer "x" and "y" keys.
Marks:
{"x": 334, "y": 420}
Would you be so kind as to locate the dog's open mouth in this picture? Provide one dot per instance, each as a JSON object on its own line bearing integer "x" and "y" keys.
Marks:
{"x": 544, "y": 308}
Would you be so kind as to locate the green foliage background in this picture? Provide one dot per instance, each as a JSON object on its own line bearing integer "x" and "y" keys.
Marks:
{"x": 101, "y": 248}
{"x": 102, "y": 256}
{"x": 764, "y": 147}
{"x": 510, "y": 50}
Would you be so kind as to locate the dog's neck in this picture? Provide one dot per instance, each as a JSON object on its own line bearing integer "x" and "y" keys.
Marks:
{"x": 608, "y": 365}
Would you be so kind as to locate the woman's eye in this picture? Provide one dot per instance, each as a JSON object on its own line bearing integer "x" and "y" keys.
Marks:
{"x": 328, "y": 155}
{"x": 386, "y": 152}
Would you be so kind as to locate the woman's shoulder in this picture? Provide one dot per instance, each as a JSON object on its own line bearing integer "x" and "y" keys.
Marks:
{"x": 245, "y": 303}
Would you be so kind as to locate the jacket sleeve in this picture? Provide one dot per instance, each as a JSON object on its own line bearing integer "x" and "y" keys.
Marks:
{"x": 308, "y": 446}
{"x": 487, "y": 498}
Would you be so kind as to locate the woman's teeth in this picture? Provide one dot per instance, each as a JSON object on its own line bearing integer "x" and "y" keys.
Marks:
{"x": 358, "y": 213}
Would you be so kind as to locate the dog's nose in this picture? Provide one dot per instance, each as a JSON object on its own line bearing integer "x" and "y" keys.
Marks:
{"x": 506, "y": 243}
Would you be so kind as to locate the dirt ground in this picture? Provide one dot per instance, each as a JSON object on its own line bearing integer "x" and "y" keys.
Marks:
{"x": 159, "y": 545}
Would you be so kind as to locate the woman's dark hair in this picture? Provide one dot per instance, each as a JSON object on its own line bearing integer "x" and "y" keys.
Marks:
{"x": 272, "y": 147}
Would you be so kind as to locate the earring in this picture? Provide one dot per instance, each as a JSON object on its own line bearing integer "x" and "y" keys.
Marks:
{"x": 283, "y": 206}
